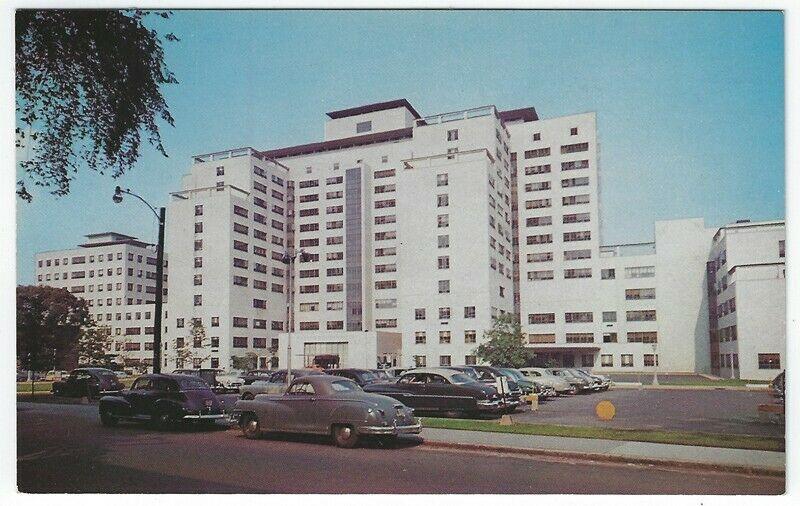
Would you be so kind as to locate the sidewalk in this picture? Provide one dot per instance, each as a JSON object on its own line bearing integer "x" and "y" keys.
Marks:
{"x": 752, "y": 461}
{"x": 646, "y": 386}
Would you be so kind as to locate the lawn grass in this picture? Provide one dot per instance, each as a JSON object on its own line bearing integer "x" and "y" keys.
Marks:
{"x": 693, "y": 381}
{"x": 40, "y": 386}
{"x": 648, "y": 436}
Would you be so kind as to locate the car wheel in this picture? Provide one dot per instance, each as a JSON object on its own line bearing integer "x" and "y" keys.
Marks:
{"x": 163, "y": 420}
{"x": 573, "y": 390}
{"x": 344, "y": 436}
{"x": 251, "y": 428}
{"x": 248, "y": 396}
{"x": 107, "y": 419}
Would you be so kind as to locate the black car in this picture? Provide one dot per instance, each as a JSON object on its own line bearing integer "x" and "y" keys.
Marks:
{"x": 362, "y": 377}
{"x": 88, "y": 382}
{"x": 163, "y": 399}
{"x": 440, "y": 390}
{"x": 490, "y": 375}
{"x": 778, "y": 387}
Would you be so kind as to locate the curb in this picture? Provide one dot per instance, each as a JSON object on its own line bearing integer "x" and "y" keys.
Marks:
{"x": 679, "y": 464}
{"x": 640, "y": 386}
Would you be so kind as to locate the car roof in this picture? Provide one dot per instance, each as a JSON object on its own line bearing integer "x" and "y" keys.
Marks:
{"x": 447, "y": 373}
{"x": 321, "y": 382}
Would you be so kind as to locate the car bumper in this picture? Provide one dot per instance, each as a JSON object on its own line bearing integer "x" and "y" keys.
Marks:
{"x": 215, "y": 416}
{"x": 373, "y": 430}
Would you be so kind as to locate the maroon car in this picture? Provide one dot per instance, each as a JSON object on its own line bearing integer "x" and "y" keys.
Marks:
{"x": 89, "y": 382}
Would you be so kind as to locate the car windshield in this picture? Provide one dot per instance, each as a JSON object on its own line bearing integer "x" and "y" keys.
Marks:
{"x": 192, "y": 384}
{"x": 345, "y": 385}
{"x": 513, "y": 373}
{"x": 108, "y": 376}
{"x": 382, "y": 374}
{"x": 368, "y": 377}
{"x": 460, "y": 379}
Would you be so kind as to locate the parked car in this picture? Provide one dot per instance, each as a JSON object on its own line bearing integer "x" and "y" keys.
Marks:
{"x": 491, "y": 375}
{"x": 88, "y": 381}
{"x": 546, "y": 377}
{"x": 577, "y": 383}
{"x": 595, "y": 383}
{"x": 778, "y": 387}
{"x": 255, "y": 375}
{"x": 217, "y": 379}
{"x": 469, "y": 371}
{"x": 605, "y": 382}
{"x": 395, "y": 372}
{"x": 324, "y": 404}
{"x": 121, "y": 374}
{"x": 382, "y": 374}
{"x": 528, "y": 385}
{"x": 275, "y": 383}
{"x": 362, "y": 377}
{"x": 163, "y": 399}
{"x": 442, "y": 390}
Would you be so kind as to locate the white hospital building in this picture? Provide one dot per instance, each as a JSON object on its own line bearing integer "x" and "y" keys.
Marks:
{"x": 420, "y": 229}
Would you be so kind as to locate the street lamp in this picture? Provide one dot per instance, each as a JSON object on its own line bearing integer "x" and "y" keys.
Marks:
{"x": 161, "y": 217}
{"x": 655, "y": 362}
{"x": 289, "y": 258}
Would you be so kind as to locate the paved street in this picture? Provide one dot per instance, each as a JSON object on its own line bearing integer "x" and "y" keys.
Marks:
{"x": 717, "y": 411}
{"x": 63, "y": 448}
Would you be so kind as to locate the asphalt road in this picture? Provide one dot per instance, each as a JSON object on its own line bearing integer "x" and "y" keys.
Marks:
{"x": 63, "y": 448}
{"x": 715, "y": 411}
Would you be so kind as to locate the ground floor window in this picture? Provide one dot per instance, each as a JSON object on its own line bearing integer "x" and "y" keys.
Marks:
{"x": 470, "y": 360}
{"x": 607, "y": 360}
{"x": 627, "y": 360}
{"x": 444, "y": 360}
{"x": 735, "y": 360}
{"x": 420, "y": 360}
{"x": 214, "y": 363}
{"x": 587, "y": 360}
{"x": 650, "y": 360}
{"x": 769, "y": 361}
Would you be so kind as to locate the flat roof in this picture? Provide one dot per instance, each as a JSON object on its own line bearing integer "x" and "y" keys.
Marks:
{"x": 117, "y": 234}
{"x": 379, "y": 106}
{"x": 348, "y": 142}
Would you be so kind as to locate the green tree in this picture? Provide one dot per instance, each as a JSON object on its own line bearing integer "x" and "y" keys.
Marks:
{"x": 87, "y": 90}
{"x": 246, "y": 362}
{"x": 194, "y": 346}
{"x": 49, "y": 322}
{"x": 504, "y": 344}
{"x": 94, "y": 346}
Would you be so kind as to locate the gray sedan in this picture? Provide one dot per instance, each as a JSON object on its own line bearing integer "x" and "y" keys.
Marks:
{"x": 325, "y": 405}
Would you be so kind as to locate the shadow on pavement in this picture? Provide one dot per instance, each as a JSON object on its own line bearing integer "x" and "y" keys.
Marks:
{"x": 398, "y": 443}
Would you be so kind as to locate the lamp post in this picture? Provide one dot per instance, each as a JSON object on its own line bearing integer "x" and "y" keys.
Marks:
{"x": 289, "y": 259}
{"x": 655, "y": 361}
{"x": 161, "y": 217}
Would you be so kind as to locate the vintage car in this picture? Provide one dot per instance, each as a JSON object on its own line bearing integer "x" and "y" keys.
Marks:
{"x": 256, "y": 375}
{"x": 595, "y": 383}
{"x": 491, "y": 375}
{"x": 361, "y": 376}
{"x": 88, "y": 382}
{"x": 382, "y": 374}
{"x": 546, "y": 377}
{"x": 528, "y": 385}
{"x": 442, "y": 390}
{"x": 275, "y": 383}
{"x": 163, "y": 399}
{"x": 217, "y": 379}
{"x": 578, "y": 384}
{"x": 323, "y": 404}
{"x": 603, "y": 381}
{"x": 778, "y": 387}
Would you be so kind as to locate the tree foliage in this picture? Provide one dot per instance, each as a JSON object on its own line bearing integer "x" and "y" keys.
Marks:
{"x": 246, "y": 362}
{"x": 49, "y": 322}
{"x": 194, "y": 346}
{"x": 94, "y": 346}
{"x": 87, "y": 90}
{"x": 505, "y": 343}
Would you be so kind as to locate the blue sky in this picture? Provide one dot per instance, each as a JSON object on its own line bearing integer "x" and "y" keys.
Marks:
{"x": 690, "y": 106}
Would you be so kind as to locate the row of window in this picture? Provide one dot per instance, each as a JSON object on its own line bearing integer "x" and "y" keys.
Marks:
{"x": 532, "y": 170}
{"x": 588, "y": 317}
{"x": 588, "y": 337}
{"x": 569, "y": 200}
{"x": 445, "y": 337}
{"x": 444, "y": 360}
{"x": 109, "y": 257}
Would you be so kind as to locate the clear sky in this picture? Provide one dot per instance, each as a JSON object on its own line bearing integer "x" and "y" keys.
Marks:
{"x": 690, "y": 106}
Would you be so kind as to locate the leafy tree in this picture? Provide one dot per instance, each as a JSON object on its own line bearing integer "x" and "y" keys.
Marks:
{"x": 505, "y": 343}
{"x": 87, "y": 90}
{"x": 245, "y": 362}
{"x": 194, "y": 346}
{"x": 49, "y": 323}
{"x": 94, "y": 346}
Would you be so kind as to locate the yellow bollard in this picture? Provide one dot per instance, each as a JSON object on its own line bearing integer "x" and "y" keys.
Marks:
{"x": 605, "y": 410}
{"x": 533, "y": 399}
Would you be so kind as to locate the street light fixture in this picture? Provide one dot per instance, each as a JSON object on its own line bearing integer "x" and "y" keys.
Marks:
{"x": 161, "y": 217}
{"x": 289, "y": 258}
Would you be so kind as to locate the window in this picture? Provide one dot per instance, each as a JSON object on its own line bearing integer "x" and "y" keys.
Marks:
{"x": 609, "y": 317}
{"x": 538, "y": 186}
{"x": 640, "y": 293}
{"x": 539, "y": 221}
{"x": 575, "y": 199}
{"x": 443, "y": 262}
{"x": 583, "y": 317}
{"x": 443, "y": 220}
{"x": 378, "y": 174}
{"x": 537, "y": 204}
{"x": 580, "y": 337}
{"x": 575, "y": 148}
{"x": 626, "y": 360}
{"x": 537, "y": 169}
{"x": 648, "y": 315}
{"x": 364, "y": 126}
{"x": 537, "y": 136}
{"x": 309, "y": 325}
{"x": 198, "y": 279}
{"x": 419, "y": 337}
{"x": 215, "y": 321}
{"x": 470, "y": 337}
{"x": 452, "y": 135}
{"x": 239, "y": 342}
{"x": 420, "y": 360}
{"x": 540, "y": 257}
{"x": 650, "y": 360}
{"x": 444, "y": 360}
{"x": 469, "y": 312}
{"x": 444, "y": 313}
{"x": 573, "y": 131}
{"x": 540, "y": 275}
{"x": 769, "y": 361}
{"x": 539, "y": 239}
{"x": 198, "y": 246}
{"x": 782, "y": 249}
{"x": 607, "y": 274}
{"x": 451, "y": 153}
{"x": 575, "y": 181}
{"x": 240, "y": 322}
{"x": 419, "y": 313}
{"x": 643, "y": 337}
{"x": 587, "y": 360}
{"x": 537, "y": 153}
{"x": 640, "y": 272}
{"x": 610, "y": 337}
{"x": 198, "y": 210}
{"x": 607, "y": 360}
{"x": 198, "y": 227}
{"x": 583, "y": 235}
{"x": 444, "y": 286}
{"x": 577, "y": 254}
{"x": 442, "y": 200}
{"x": 536, "y": 318}
{"x": 444, "y": 337}
{"x": 198, "y": 300}
{"x": 444, "y": 241}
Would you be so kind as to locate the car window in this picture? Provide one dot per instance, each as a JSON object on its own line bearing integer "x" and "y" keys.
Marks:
{"x": 368, "y": 377}
{"x": 142, "y": 384}
{"x": 344, "y": 386}
{"x": 301, "y": 388}
{"x": 485, "y": 375}
{"x": 435, "y": 378}
{"x": 460, "y": 379}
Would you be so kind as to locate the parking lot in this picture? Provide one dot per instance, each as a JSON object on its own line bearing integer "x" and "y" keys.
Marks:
{"x": 716, "y": 411}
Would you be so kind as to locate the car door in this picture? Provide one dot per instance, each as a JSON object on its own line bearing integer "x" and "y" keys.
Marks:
{"x": 298, "y": 404}
{"x": 440, "y": 394}
{"x": 137, "y": 397}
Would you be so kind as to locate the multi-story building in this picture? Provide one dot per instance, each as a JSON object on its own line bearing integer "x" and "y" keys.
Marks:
{"x": 116, "y": 275}
{"x": 747, "y": 300}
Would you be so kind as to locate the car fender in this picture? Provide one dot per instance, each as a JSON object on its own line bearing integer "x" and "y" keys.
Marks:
{"x": 116, "y": 405}
{"x": 167, "y": 405}
{"x": 263, "y": 407}
{"x": 349, "y": 413}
